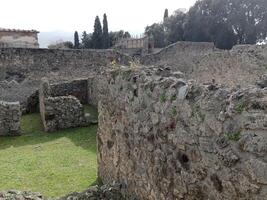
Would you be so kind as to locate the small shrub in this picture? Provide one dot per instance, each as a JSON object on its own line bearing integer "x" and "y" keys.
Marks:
{"x": 174, "y": 111}
{"x": 163, "y": 98}
{"x": 233, "y": 136}
{"x": 240, "y": 107}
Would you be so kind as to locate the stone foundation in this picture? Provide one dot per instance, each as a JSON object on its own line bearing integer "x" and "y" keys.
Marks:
{"x": 162, "y": 137}
{"x": 10, "y": 115}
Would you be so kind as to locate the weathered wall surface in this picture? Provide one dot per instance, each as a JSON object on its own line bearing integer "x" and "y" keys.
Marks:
{"x": 60, "y": 112}
{"x": 55, "y": 63}
{"x": 10, "y": 115}
{"x": 203, "y": 62}
{"x": 18, "y": 39}
{"x": 166, "y": 138}
{"x": 76, "y": 88}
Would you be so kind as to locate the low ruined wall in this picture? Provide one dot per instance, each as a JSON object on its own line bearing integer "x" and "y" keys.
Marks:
{"x": 10, "y": 116}
{"x": 165, "y": 138}
{"x": 203, "y": 62}
{"x": 60, "y": 112}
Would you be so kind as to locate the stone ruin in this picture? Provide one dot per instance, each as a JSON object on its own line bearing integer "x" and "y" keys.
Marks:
{"x": 163, "y": 137}
{"x": 60, "y": 112}
{"x": 10, "y": 115}
{"x": 60, "y": 106}
{"x": 188, "y": 122}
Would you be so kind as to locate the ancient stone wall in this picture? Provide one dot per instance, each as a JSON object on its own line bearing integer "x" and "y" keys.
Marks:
{"x": 162, "y": 137}
{"x": 54, "y": 63}
{"x": 203, "y": 62}
{"x": 60, "y": 112}
{"x": 77, "y": 88}
{"x": 10, "y": 115}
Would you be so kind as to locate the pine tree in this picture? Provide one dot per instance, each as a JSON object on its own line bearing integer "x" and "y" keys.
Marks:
{"x": 105, "y": 33}
{"x": 76, "y": 40}
{"x": 166, "y": 15}
{"x": 97, "y": 38}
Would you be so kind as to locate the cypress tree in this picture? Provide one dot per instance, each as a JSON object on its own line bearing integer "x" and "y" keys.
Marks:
{"x": 105, "y": 32}
{"x": 76, "y": 40}
{"x": 166, "y": 15}
{"x": 97, "y": 38}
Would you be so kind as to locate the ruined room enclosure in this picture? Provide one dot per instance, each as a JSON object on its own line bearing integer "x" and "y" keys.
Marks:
{"x": 56, "y": 155}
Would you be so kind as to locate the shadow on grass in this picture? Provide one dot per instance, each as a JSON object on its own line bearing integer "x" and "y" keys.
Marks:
{"x": 33, "y": 134}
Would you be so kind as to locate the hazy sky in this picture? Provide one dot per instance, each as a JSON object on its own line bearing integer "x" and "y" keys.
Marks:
{"x": 71, "y": 15}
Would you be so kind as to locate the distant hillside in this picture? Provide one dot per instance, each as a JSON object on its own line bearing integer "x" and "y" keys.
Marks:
{"x": 46, "y": 38}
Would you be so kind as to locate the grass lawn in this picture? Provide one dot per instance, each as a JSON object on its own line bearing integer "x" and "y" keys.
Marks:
{"x": 54, "y": 164}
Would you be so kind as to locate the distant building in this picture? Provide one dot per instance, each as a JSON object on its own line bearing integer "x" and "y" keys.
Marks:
{"x": 18, "y": 38}
{"x": 136, "y": 45}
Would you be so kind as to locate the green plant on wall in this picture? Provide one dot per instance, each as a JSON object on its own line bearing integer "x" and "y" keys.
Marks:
{"x": 233, "y": 136}
{"x": 163, "y": 98}
{"x": 173, "y": 98}
{"x": 240, "y": 107}
{"x": 196, "y": 112}
{"x": 174, "y": 111}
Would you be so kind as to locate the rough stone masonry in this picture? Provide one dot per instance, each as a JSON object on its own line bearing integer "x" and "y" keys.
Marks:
{"x": 60, "y": 112}
{"x": 163, "y": 137}
{"x": 10, "y": 115}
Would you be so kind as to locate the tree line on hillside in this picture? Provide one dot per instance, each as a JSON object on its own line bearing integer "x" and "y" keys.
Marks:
{"x": 224, "y": 22}
{"x": 101, "y": 38}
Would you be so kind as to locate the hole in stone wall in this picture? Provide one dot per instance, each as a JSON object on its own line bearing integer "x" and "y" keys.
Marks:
{"x": 49, "y": 116}
{"x": 110, "y": 144}
{"x": 135, "y": 93}
{"x": 217, "y": 183}
{"x": 151, "y": 138}
{"x": 135, "y": 79}
{"x": 184, "y": 160}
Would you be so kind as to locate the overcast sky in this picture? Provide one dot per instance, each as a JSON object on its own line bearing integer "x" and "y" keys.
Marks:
{"x": 71, "y": 15}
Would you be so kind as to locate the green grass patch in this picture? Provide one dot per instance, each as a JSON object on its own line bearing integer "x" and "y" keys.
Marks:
{"x": 54, "y": 164}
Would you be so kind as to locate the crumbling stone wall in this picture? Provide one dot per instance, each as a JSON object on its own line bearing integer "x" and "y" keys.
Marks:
{"x": 10, "y": 116}
{"x": 242, "y": 65}
{"x": 163, "y": 137}
{"x": 60, "y": 112}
